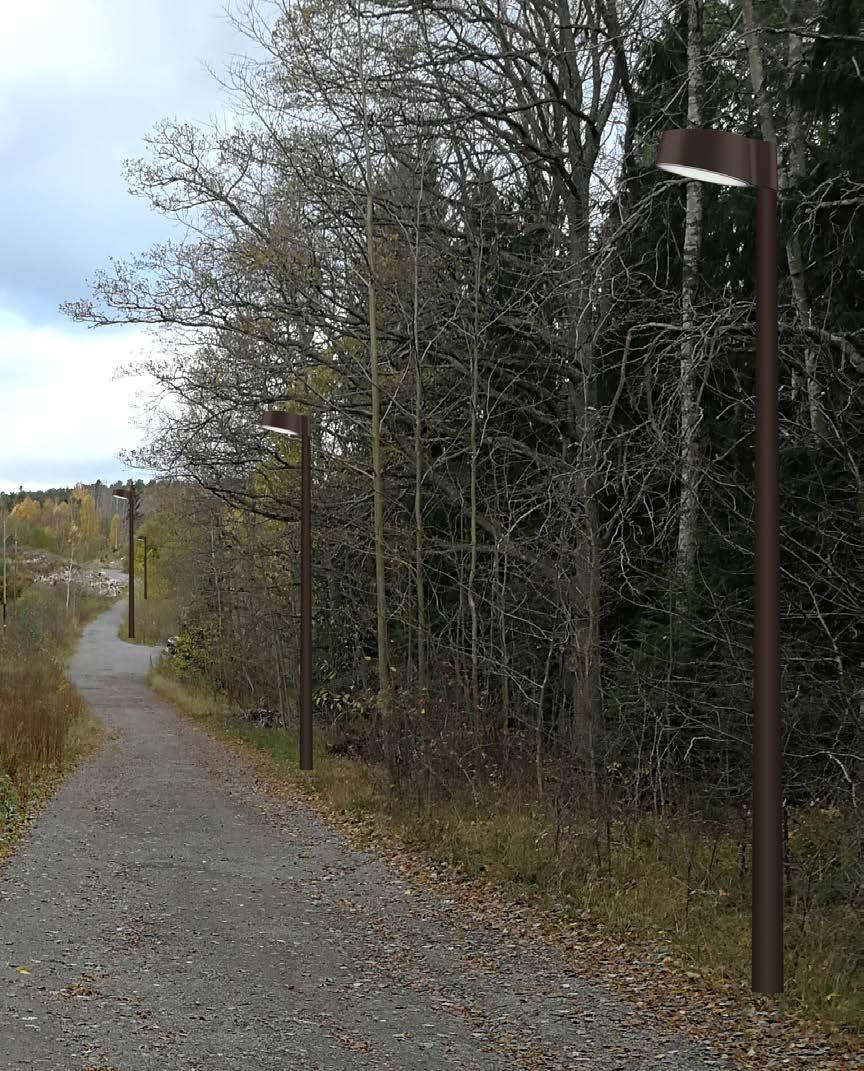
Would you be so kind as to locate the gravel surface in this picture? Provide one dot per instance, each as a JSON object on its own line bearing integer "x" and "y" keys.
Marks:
{"x": 166, "y": 913}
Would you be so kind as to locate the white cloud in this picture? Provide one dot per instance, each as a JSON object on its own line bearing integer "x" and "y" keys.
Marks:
{"x": 81, "y": 83}
{"x": 87, "y": 41}
{"x": 56, "y": 39}
{"x": 61, "y": 405}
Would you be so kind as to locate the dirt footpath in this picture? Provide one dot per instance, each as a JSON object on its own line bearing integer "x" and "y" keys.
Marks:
{"x": 156, "y": 917}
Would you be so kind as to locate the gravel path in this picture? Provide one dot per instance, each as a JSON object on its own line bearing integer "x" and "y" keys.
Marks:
{"x": 170, "y": 916}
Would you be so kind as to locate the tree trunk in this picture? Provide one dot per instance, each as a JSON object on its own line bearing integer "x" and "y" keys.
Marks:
{"x": 385, "y": 692}
{"x": 585, "y": 592}
{"x": 794, "y": 171}
{"x": 419, "y": 562}
{"x": 689, "y": 454}
{"x": 472, "y": 573}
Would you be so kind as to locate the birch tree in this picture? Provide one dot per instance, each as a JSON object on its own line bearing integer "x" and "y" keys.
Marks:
{"x": 690, "y": 350}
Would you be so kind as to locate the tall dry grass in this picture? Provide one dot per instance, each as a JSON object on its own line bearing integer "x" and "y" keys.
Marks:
{"x": 38, "y": 706}
{"x": 155, "y": 620}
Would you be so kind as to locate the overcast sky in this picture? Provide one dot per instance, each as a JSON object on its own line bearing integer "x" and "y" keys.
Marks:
{"x": 81, "y": 83}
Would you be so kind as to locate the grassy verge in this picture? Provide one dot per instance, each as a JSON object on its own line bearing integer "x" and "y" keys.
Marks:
{"x": 154, "y": 620}
{"x": 354, "y": 788}
{"x": 45, "y": 726}
{"x": 676, "y": 889}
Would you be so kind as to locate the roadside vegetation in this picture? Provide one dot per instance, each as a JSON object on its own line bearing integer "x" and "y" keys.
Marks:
{"x": 81, "y": 523}
{"x": 674, "y": 872}
{"x": 156, "y": 616}
{"x": 526, "y": 355}
{"x": 679, "y": 883}
{"x": 154, "y": 619}
{"x": 44, "y": 724}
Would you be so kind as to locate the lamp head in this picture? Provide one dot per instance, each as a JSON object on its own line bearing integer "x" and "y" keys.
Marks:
{"x": 120, "y": 492}
{"x": 718, "y": 156}
{"x": 284, "y": 423}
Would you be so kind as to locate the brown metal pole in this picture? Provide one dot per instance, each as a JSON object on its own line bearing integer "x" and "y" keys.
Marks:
{"x": 305, "y": 598}
{"x": 131, "y": 561}
{"x": 767, "y": 902}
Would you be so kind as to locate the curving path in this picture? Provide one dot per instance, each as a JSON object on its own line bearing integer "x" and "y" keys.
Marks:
{"x": 171, "y": 916}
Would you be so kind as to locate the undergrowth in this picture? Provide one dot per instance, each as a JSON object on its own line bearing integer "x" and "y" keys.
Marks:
{"x": 682, "y": 884}
{"x": 44, "y": 724}
{"x": 154, "y": 621}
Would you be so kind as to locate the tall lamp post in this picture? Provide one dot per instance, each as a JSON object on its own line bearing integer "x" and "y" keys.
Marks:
{"x": 296, "y": 424}
{"x": 143, "y": 539}
{"x": 732, "y": 160}
{"x": 129, "y": 494}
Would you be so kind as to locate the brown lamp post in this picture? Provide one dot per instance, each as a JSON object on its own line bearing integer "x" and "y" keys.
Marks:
{"x": 143, "y": 539}
{"x": 129, "y": 494}
{"x": 296, "y": 424}
{"x": 732, "y": 160}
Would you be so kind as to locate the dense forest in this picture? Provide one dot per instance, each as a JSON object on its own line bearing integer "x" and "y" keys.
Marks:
{"x": 527, "y": 355}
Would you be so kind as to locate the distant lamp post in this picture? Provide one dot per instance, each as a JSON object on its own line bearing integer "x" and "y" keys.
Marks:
{"x": 129, "y": 494}
{"x": 143, "y": 539}
{"x": 296, "y": 424}
{"x": 732, "y": 160}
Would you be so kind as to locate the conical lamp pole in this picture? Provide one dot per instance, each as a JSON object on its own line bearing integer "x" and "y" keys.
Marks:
{"x": 296, "y": 424}
{"x": 731, "y": 160}
{"x": 129, "y": 494}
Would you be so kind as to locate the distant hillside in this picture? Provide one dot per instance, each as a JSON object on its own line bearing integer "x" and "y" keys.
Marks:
{"x": 85, "y": 522}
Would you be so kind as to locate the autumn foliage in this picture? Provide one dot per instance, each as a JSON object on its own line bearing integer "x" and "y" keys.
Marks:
{"x": 37, "y": 705}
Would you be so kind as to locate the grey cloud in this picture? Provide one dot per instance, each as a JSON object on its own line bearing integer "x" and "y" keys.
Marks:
{"x": 39, "y": 475}
{"x": 64, "y": 206}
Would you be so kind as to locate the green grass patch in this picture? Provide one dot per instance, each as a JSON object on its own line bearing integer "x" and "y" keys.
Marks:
{"x": 154, "y": 620}
{"x": 664, "y": 881}
{"x": 352, "y": 787}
